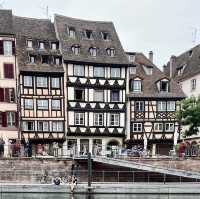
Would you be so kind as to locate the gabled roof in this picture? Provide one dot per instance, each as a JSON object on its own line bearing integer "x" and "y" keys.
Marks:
{"x": 190, "y": 60}
{"x": 149, "y": 82}
{"x": 62, "y": 25}
{"x": 6, "y": 22}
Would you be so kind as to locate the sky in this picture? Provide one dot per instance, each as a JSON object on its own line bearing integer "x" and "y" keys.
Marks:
{"x": 166, "y": 27}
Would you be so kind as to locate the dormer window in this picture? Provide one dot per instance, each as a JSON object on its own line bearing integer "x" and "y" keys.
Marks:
{"x": 41, "y": 45}
{"x": 181, "y": 69}
{"x": 72, "y": 33}
{"x": 57, "y": 61}
{"x": 29, "y": 43}
{"x": 110, "y": 52}
{"x": 136, "y": 85}
{"x": 190, "y": 53}
{"x": 132, "y": 70}
{"x": 131, "y": 58}
{"x": 164, "y": 86}
{"x": 32, "y": 59}
{"x": 76, "y": 49}
{"x": 88, "y": 34}
{"x": 53, "y": 46}
{"x": 148, "y": 70}
{"x": 105, "y": 36}
{"x": 93, "y": 51}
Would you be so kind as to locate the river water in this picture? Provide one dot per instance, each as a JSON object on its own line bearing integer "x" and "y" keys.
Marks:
{"x": 96, "y": 196}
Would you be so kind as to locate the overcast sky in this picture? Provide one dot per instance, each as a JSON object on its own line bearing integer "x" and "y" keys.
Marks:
{"x": 164, "y": 26}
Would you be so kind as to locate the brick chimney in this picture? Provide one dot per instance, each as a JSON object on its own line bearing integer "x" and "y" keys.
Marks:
{"x": 151, "y": 56}
{"x": 172, "y": 66}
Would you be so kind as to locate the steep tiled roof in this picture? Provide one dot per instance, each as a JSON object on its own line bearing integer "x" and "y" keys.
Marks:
{"x": 6, "y": 22}
{"x": 149, "y": 86}
{"x": 63, "y": 23}
{"x": 190, "y": 60}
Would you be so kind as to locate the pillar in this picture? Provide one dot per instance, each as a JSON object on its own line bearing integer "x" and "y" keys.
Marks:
{"x": 154, "y": 150}
{"x": 90, "y": 145}
{"x": 145, "y": 143}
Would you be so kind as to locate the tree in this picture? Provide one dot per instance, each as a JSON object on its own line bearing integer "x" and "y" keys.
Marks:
{"x": 190, "y": 115}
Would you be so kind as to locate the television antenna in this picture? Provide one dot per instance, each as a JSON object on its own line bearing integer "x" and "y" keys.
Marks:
{"x": 46, "y": 11}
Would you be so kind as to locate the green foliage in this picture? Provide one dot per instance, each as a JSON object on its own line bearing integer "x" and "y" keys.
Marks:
{"x": 190, "y": 115}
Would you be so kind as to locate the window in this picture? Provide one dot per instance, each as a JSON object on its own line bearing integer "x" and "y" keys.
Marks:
{"x": 148, "y": 70}
{"x": 132, "y": 70}
{"x": 41, "y": 45}
{"x": 42, "y": 82}
{"x": 43, "y": 126}
{"x": 169, "y": 127}
{"x": 190, "y": 53}
{"x": 57, "y": 61}
{"x": 93, "y": 52}
{"x": 115, "y": 72}
{"x": 98, "y": 95}
{"x": 42, "y": 104}
{"x": 161, "y": 106}
{"x": 29, "y": 43}
{"x": 55, "y": 104}
{"x": 28, "y": 81}
{"x": 131, "y": 58}
{"x": 72, "y": 33}
{"x": 139, "y": 106}
{"x": 181, "y": 69}
{"x": 164, "y": 86}
{"x": 98, "y": 119}
{"x": 28, "y": 103}
{"x": 137, "y": 127}
{"x": 193, "y": 84}
{"x": 28, "y": 126}
{"x": 136, "y": 85}
{"x": 76, "y": 49}
{"x": 8, "y": 71}
{"x": 57, "y": 126}
{"x": 55, "y": 82}
{"x": 32, "y": 59}
{"x": 114, "y": 119}
{"x": 171, "y": 106}
{"x": 79, "y": 118}
{"x": 158, "y": 127}
{"x": 53, "y": 46}
{"x": 79, "y": 94}
{"x": 45, "y": 59}
{"x": 78, "y": 70}
{"x": 10, "y": 119}
{"x": 7, "y": 47}
{"x": 88, "y": 34}
{"x": 114, "y": 96}
{"x": 105, "y": 36}
{"x": 110, "y": 52}
{"x": 99, "y": 71}
{"x": 11, "y": 94}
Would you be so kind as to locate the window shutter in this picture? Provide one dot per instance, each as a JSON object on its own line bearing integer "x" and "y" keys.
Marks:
{"x": 7, "y": 97}
{"x": 1, "y": 47}
{"x": 8, "y": 71}
{"x": 16, "y": 119}
{"x": 1, "y": 94}
{"x": 4, "y": 119}
{"x": 13, "y": 47}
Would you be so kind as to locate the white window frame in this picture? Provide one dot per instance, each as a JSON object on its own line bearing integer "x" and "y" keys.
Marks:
{"x": 137, "y": 127}
{"x": 42, "y": 82}
{"x": 193, "y": 84}
{"x": 55, "y": 82}
{"x": 98, "y": 95}
{"x": 53, "y": 46}
{"x": 141, "y": 106}
{"x": 79, "y": 70}
{"x": 93, "y": 51}
{"x": 29, "y": 43}
{"x": 28, "y": 81}
{"x": 131, "y": 58}
{"x": 7, "y": 48}
{"x": 41, "y": 45}
{"x": 28, "y": 103}
{"x": 169, "y": 127}
{"x": 32, "y": 59}
{"x": 115, "y": 72}
{"x": 10, "y": 119}
{"x": 114, "y": 119}
{"x": 57, "y": 126}
{"x": 99, "y": 71}
{"x": 45, "y": 126}
{"x": 171, "y": 106}
{"x": 79, "y": 118}
{"x": 72, "y": 33}
{"x": 55, "y": 104}
{"x": 57, "y": 61}
{"x": 137, "y": 85}
{"x": 161, "y": 106}
{"x": 158, "y": 127}
{"x": 98, "y": 119}
{"x": 42, "y": 104}
{"x": 25, "y": 126}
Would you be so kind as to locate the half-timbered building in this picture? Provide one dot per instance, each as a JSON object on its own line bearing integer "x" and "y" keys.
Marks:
{"x": 8, "y": 80}
{"x": 153, "y": 99}
{"x": 95, "y": 73}
{"x": 41, "y": 85}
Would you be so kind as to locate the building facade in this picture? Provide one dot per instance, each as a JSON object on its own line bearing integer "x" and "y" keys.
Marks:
{"x": 8, "y": 80}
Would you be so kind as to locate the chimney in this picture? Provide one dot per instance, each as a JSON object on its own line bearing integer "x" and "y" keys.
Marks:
{"x": 172, "y": 65}
{"x": 151, "y": 56}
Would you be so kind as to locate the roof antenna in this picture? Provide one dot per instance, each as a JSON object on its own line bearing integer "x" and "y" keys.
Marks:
{"x": 46, "y": 11}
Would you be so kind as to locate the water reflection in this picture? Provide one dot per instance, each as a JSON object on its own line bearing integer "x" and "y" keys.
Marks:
{"x": 96, "y": 196}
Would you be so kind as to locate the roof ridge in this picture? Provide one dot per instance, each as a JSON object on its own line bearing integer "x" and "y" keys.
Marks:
{"x": 31, "y": 18}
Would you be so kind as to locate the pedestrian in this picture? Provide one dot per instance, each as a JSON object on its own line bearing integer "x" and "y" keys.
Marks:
{"x": 73, "y": 183}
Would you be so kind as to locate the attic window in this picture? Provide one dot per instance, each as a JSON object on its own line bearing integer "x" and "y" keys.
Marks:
{"x": 45, "y": 59}
{"x": 136, "y": 85}
{"x": 164, "y": 86}
{"x": 131, "y": 58}
{"x": 110, "y": 52}
{"x": 54, "y": 46}
{"x": 148, "y": 70}
{"x": 93, "y": 51}
{"x": 41, "y": 45}
{"x": 105, "y": 36}
{"x": 190, "y": 53}
{"x": 88, "y": 34}
{"x": 76, "y": 49}
{"x": 32, "y": 59}
{"x": 29, "y": 43}
{"x": 72, "y": 32}
{"x": 57, "y": 61}
{"x": 181, "y": 69}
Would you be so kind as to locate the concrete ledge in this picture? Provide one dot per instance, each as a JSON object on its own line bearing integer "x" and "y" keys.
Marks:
{"x": 104, "y": 188}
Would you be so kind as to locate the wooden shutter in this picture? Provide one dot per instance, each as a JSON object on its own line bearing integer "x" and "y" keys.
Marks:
{"x": 8, "y": 71}
{"x": 1, "y": 47}
{"x": 7, "y": 95}
{"x": 13, "y": 47}
{"x": 4, "y": 119}
{"x": 16, "y": 119}
{"x": 1, "y": 94}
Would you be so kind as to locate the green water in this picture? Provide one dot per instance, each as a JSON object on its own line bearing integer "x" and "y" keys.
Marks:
{"x": 96, "y": 196}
